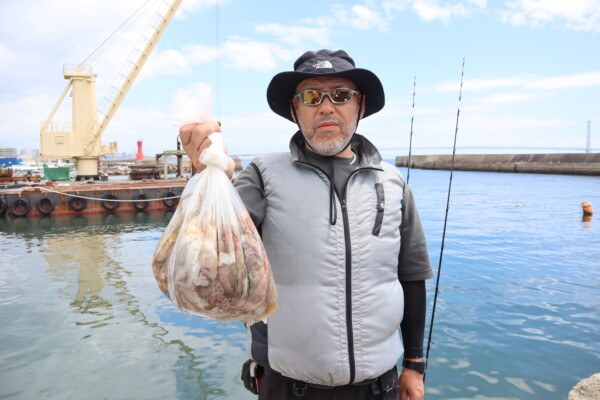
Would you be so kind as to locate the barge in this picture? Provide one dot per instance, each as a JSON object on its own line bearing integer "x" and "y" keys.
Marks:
{"x": 104, "y": 197}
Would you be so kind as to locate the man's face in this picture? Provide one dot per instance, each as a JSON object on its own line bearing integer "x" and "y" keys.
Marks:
{"x": 327, "y": 127}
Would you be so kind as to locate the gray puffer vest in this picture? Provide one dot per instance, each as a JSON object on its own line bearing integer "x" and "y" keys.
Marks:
{"x": 340, "y": 301}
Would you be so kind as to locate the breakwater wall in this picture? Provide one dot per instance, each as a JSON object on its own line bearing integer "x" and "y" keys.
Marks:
{"x": 564, "y": 163}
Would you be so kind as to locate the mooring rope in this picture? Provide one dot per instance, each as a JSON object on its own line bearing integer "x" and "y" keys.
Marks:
{"x": 439, "y": 271}
{"x": 102, "y": 199}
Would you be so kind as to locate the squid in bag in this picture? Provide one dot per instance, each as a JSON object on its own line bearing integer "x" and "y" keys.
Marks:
{"x": 210, "y": 261}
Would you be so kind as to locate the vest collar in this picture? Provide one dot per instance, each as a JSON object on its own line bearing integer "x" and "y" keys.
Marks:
{"x": 368, "y": 155}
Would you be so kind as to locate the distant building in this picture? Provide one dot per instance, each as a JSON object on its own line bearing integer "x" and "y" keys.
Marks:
{"x": 120, "y": 156}
{"x": 30, "y": 153}
{"x": 8, "y": 152}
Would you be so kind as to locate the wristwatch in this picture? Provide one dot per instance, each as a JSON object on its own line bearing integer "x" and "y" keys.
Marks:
{"x": 419, "y": 366}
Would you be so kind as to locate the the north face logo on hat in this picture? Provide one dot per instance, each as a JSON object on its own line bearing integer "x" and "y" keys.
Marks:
{"x": 323, "y": 64}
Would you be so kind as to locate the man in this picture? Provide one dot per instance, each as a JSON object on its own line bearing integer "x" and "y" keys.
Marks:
{"x": 344, "y": 240}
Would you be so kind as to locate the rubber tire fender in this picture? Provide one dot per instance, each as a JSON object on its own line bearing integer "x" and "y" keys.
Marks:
{"x": 20, "y": 207}
{"x": 3, "y": 206}
{"x": 170, "y": 202}
{"x": 110, "y": 202}
{"x": 140, "y": 206}
{"x": 45, "y": 205}
{"x": 77, "y": 203}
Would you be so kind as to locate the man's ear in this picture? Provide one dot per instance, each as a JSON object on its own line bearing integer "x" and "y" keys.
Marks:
{"x": 364, "y": 105}
{"x": 292, "y": 109}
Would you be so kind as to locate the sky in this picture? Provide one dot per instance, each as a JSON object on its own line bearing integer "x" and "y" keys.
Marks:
{"x": 531, "y": 75}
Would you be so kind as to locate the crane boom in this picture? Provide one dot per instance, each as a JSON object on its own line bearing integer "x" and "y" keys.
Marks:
{"x": 137, "y": 65}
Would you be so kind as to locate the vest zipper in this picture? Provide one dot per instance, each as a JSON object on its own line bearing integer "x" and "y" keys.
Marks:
{"x": 349, "y": 327}
{"x": 348, "y": 246}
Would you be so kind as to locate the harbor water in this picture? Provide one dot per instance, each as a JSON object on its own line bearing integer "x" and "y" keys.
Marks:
{"x": 518, "y": 312}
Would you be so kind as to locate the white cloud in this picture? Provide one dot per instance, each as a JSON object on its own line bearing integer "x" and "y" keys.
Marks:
{"x": 53, "y": 21}
{"x": 431, "y": 10}
{"x": 360, "y": 17}
{"x": 583, "y": 15}
{"x": 311, "y": 32}
{"x": 506, "y": 98}
{"x": 580, "y": 15}
{"x": 190, "y": 6}
{"x": 479, "y": 3}
{"x": 389, "y": 6}
{"x": 22, "y": 118}
{"x": 299, "y": 35}
{"x": 170, "y": 62}
{"x": 478, "y": 84}
{"x": 248, "y": 54}
{"x": 199, "y": 54}
{"x": 571, "y": 81}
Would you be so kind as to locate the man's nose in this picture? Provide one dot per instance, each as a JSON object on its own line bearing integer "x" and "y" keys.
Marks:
{"x": 326, "y": 105}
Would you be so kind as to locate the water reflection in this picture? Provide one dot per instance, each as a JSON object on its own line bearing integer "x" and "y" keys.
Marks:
{"x": 82, "y": 253}
{"x": 41, "y": 227}
{"x": 587, "y": 221}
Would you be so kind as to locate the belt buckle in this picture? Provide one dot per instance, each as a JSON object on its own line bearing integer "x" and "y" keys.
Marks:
{"x": 300, "y": 389}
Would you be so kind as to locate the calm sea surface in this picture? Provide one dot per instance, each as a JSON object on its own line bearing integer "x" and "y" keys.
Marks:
{"x": 518, "y": 314}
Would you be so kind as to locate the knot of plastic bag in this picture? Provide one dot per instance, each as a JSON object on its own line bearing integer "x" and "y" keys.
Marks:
{"x": 214, "y": 155}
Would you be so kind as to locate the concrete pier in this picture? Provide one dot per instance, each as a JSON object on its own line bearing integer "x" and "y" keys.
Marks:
{"x": 563, "y": 163}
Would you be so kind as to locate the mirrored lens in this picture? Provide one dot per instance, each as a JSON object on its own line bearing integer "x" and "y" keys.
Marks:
{"x": 340, "y": 95}
{"x": 311, "y": 97}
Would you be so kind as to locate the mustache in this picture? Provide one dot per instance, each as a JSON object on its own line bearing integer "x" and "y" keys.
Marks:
{"x": 327, "y": 118}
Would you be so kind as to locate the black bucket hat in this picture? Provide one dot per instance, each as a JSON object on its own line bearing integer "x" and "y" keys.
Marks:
{"x": 324, "y": 63}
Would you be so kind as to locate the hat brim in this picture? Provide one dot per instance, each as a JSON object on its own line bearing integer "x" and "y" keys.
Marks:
{"x": 283, "y": 87}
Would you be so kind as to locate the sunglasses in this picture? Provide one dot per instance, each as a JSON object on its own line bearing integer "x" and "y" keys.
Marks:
{"x": 313, "y": 97}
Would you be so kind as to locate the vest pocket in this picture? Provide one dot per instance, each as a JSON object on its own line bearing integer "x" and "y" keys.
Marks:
{"x": 380, "y": 208}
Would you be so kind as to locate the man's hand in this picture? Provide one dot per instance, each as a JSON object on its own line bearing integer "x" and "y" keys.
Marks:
{"x": 194, "y": 139}
{"x": 411, "y": 385}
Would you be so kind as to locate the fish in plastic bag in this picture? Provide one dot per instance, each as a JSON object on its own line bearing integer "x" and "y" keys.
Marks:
{"x": 210, "y": 261}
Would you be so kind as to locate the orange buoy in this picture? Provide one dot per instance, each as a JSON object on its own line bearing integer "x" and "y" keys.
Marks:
{"x": 586, "y": 207}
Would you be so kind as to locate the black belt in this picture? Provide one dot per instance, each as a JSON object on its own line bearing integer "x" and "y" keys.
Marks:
{"x": 300, "y": 386}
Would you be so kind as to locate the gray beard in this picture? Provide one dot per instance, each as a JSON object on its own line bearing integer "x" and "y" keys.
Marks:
{"x": 328, "y": 149}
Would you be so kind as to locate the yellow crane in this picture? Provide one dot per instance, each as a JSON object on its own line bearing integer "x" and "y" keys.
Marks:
{"x": 81, "y": 140}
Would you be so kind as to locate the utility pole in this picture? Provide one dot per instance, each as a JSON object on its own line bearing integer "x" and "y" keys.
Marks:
{"x": 589, "y": 136}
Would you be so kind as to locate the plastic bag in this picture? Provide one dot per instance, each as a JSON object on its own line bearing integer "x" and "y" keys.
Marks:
{"x": 192, "y": 104}
{"x": 210, "y": 261}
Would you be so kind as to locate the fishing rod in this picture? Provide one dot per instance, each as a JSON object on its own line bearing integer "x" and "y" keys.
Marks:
{"x": 411, "y": 129}
{"x": 439, "y": 272}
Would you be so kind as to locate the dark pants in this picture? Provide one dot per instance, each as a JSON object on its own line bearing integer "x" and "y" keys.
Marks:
{"x": 275, "y": 387}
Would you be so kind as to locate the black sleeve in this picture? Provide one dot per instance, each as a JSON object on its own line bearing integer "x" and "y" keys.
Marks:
{"x": 413, "y": 322}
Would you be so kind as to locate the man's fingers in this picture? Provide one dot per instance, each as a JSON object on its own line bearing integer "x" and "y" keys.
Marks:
{"x": 189, "y": 132}
{"x": 185, "y": 133}
{"x": 194, "y": 139}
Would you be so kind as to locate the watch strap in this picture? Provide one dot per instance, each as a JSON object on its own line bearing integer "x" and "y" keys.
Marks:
{"x": 419, "y": 366}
